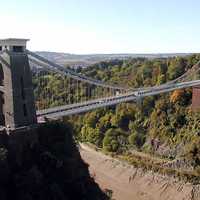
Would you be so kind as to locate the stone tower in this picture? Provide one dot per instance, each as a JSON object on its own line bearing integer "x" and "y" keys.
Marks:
{"x": 196, "y": 98}
{"x": 17, "y": 107}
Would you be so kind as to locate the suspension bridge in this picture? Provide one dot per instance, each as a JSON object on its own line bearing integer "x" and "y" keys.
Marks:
{"x": 76, "y": 94}
{"x": 114, "y": 94}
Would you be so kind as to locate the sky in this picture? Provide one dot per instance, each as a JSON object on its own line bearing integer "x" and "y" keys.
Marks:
{"x": 103, "y": 26}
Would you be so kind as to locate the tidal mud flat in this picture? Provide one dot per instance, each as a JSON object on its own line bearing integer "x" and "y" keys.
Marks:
{"x": 130, "y": 183}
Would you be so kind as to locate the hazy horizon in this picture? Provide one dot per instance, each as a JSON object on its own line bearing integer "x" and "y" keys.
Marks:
{"x": 85, "y": 54}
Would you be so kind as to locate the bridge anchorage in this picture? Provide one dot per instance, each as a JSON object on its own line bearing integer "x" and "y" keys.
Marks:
{"x": 78, "y": 93}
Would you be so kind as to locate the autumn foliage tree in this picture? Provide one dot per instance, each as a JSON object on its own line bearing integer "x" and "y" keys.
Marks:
{"x": 176, "y": 95}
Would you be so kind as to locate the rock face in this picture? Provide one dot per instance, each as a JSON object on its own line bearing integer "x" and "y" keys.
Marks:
{"x": 49, "y": 169}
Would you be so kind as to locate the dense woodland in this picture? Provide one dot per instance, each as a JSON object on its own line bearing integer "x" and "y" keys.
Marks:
{"x": 162, "y": 125}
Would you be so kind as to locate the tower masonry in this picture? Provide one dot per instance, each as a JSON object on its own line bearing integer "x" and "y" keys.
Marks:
{"x": 196, "y": 98}
{"x": 17, "y": 107}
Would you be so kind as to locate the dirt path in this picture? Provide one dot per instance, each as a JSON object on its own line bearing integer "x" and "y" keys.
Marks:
{"x": 129, "y": 183}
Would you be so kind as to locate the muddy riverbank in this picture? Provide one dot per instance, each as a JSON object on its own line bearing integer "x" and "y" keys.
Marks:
{"x": 129, "y": 183}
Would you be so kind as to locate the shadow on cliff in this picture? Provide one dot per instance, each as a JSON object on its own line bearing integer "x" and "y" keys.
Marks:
{"x": 49, "y": 169}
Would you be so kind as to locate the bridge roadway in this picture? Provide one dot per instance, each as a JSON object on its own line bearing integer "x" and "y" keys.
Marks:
{"x": 113, "y": 100}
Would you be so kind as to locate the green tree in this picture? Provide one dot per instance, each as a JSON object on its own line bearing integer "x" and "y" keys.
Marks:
{"x": 176, "y": 68}
{"x": 137, "y": 139}
{"x": 115, "y": 140}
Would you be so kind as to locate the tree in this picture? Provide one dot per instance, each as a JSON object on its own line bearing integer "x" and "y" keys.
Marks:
{"x": 115, "y": 140}
{"x": 105, "y": 122}
{"x": 176, "y": 68}
{"x": 124, "y": 114}
{"x": 176, "y": 95}
{"x": 182, "y": 97}
{"x": 161, "y": 79}
{"x": 193, "y": 152}
{"x": 91, "y": 119}
{"x": 136, "y": 139}
{"x": 92, "y": 135}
